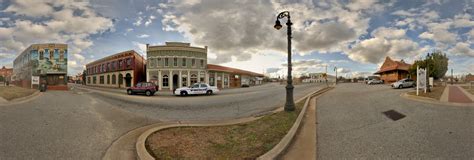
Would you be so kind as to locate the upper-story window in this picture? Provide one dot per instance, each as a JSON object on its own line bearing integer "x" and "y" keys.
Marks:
{"x": 41, "y": 55}
{"x": 61, "y": 55}
{"x": 120, "y": 64}
{"x": 202, "y": 63}
{"x": 129, "y": 62}
{"x": 193, "y": 62}
{"x": 51, "y": 55}
{"x": 152, "y": 62}
{"x": 166, "y": 62}
{"x": 175, "y": 62}
{"x": 184, "y": 62}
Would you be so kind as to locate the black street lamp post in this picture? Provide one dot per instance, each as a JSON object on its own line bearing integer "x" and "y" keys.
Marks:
{"x": 290, "y": 104}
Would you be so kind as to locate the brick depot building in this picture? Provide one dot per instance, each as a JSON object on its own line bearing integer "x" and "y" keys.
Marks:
{"x": 121, "y": 70}
{"x": 392, "y": 71}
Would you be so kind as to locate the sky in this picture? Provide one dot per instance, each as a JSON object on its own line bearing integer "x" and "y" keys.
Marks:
{"x": 354, "y": 36}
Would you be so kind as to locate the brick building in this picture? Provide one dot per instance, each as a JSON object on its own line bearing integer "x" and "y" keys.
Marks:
{"x": 47, "y": 61}
{"x": 120, "y": 70}
{"x": 6, "y": 73}
{"x": 392, "y": 71}
{"x": 227, "y": 77}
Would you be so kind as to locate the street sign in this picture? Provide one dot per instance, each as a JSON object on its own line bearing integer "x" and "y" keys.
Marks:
{"x": 35, "y": 79}
{"x": 420, "y": 79}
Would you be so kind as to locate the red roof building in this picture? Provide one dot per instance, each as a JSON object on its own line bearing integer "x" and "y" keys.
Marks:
{"x": 392, "y": 71}
{"x": 6, "y": 73}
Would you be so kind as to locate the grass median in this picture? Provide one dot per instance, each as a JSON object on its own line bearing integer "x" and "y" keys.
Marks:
{"x": 435, "y": 93}
{"x": 11, "y": 92}
{"x": 241, "y": 141}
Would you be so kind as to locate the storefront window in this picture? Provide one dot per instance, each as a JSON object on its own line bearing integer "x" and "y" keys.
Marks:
{"x": 184, "y": 81}
{"x": 193, "y": 79}
{"x": 101, "y": 80}
{"x": 165, "y": 81}
{"x": 226, "y": 81}
{"x": 211, "y": 81}
{"x": 108, "y": 79}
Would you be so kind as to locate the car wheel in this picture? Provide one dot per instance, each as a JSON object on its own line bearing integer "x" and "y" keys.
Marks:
{"x": 400, "y": 87}
{"x": 148, "y": 93}
{"x": 184, "y": 93}
{"x": 209, "y": 92}
{"x": 129, "y": 92}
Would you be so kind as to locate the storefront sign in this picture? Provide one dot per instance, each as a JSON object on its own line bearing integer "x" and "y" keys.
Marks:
{"x": 35, "y": 79}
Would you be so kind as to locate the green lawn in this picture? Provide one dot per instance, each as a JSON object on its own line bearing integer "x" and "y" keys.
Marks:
{"x": 241, "y": 141}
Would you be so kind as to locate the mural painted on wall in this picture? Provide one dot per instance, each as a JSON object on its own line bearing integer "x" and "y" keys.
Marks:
{"x": 49, "y": 61}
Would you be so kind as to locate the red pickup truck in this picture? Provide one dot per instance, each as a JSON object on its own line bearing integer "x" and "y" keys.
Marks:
{"x": 147, "y": 88}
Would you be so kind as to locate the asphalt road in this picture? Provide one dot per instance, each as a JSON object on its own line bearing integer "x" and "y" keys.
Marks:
{"x": 81, "y": 124}
{"x": 228, "y": 104}
{"x": 351, "y": 126}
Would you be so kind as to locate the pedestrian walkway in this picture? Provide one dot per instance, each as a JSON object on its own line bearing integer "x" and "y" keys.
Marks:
{"x": 457, "y": 95}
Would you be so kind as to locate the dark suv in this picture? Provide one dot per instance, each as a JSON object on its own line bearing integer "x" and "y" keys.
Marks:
{"x": 143, "y": 87}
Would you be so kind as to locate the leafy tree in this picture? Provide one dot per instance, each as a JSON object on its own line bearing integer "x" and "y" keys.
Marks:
{"x": 437, "y": 63}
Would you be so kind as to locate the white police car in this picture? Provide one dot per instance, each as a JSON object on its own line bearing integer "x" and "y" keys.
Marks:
{"x": 197, "y": 88}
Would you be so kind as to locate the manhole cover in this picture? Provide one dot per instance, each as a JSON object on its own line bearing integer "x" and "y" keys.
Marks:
{"x": 394, "y": 115}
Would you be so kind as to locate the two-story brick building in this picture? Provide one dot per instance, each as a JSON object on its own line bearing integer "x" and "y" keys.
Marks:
{"x": 120, "y": 70}
{"x": 6, "y": 73}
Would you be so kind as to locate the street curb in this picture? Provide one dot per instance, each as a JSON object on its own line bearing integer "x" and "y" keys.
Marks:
{"x": 281, "y": 147}
{"x": 434, "y": 101}
{"x": 142, "y": 153}
{"x": 22, "y": 99}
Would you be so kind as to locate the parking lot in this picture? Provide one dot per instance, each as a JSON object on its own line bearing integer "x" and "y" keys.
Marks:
{"x": 352, "y": 125}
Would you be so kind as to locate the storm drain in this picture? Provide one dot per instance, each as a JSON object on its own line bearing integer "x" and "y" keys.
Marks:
{"x": 394, "y": 115}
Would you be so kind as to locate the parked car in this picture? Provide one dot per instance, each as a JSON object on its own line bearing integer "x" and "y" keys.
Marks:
{"x": 375, "y": 81}
{"x": 196, "y": 89}
{"x": 404, "y": 83}
{"x": 146, "y": 88}
{"x": 245, "y": 85}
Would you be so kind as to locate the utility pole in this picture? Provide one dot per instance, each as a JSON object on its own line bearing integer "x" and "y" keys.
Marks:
{"x": 335, "y": 69}
{"x": 452, "y": 77}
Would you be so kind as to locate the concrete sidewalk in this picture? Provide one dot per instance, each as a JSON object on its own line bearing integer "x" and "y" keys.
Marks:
{"x": 304, "y": 143}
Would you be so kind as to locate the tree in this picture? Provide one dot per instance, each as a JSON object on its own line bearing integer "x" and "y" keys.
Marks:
{"x": 84, "y": 77}
{"x": 437, "y": 63}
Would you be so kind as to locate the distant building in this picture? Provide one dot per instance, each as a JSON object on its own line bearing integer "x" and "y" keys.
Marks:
{"x": 124, "y": 69}
{"x": 392, "y": 71}
{"x": 6, "y": 73}
{"x": 177, "y": 64}
{"x": 469, "y": 78}
{"x": 318, "y": 78}
{"x": 48, "y": 61}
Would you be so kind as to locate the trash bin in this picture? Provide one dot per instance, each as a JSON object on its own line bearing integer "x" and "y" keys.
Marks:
{"x": 42, "y": 87}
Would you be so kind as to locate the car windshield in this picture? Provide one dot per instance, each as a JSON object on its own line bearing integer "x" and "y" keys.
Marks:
{"x": 195, "y": 86}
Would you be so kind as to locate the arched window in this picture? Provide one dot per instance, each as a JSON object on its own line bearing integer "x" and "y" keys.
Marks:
{"x": 184, "y": 80}
{"x": 193, "y": 79}
{"x": 113, "y": 79}
{"x": 165, "y": 81}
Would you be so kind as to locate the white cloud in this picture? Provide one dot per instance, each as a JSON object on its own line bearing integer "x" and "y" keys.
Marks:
{"x": 70, "y": 22}
{"x": 343, "y": 70}
{"x": 462, "y": 48}
{"x": 143, "y": 36}
{"x": 232, "y": 33}
{"x": 138, "y": 22}
{"x": 140, "y": 46}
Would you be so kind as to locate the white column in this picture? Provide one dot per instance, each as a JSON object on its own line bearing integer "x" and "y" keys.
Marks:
{"x": 170, "y": 79}
{"x": 222, "y": 80}
{"x": 147, "y": 76}
{"x": 160, "y": 80}
{"x": 180, "y": 79}
{"x": 189, "y": 78}
{"x": 199, "y": 76}
{"x": 215, "y": 79}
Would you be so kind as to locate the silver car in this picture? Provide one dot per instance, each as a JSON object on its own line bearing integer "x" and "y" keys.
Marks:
{"x": 375, "y": 81}
{"x": 404, "y": 83}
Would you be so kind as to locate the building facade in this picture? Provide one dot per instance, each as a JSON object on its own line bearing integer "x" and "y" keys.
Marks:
{"x": 6, "y": 73}
{"x": 121, "y": 70}
{"x": 48, "y": 61}
{"x": 392, "y": 71}
{"x": 318, "y": 78}
{"x": 176, "y": 64}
